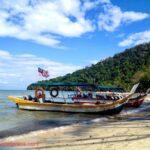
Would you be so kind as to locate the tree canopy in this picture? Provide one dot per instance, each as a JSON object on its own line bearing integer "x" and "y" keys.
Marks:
{"x": 122, "y": 70}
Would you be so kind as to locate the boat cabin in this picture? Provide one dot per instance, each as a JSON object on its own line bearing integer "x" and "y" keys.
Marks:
{"x": 69, "y": 97}
{"x": 69, "y": 93}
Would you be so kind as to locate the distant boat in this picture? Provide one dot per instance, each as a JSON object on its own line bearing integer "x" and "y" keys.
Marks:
{"x": 134, "y": 101}
{"x": 138, "y": 99}
{"x": 39, "y": 102}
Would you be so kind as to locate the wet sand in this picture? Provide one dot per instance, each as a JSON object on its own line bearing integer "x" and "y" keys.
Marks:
{"x": 131, "y": 132}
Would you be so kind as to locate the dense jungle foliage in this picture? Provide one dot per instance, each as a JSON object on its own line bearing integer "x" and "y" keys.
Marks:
{"x": 122, "y": 70}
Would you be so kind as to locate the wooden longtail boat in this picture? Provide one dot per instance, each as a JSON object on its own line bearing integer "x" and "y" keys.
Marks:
{"x": 109, "y": 108}
{"x": 135, "y": 102}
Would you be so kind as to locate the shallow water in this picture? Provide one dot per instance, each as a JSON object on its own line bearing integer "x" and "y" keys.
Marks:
{"x": 14, "y": 121}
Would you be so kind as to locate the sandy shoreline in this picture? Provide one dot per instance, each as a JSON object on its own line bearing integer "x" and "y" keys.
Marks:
{"x": 126, "y": 134}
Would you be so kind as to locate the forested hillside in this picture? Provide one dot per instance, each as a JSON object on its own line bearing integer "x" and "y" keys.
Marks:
{"x": 123, "y": 69}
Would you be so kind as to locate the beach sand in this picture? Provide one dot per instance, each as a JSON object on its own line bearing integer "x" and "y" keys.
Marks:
{"x": 124, "y": 134}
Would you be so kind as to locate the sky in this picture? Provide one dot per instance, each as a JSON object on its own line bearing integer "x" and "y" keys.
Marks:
{"x": 62, "y": 36}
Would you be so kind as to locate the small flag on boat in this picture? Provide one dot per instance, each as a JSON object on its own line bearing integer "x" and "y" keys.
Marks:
{"x": 43, "y": 72}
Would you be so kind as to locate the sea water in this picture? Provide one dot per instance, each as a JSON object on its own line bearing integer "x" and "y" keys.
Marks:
{"x": 14, "y": 121}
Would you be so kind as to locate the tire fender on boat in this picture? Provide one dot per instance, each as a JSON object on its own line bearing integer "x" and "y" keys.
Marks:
{"x": 54, "y": 92}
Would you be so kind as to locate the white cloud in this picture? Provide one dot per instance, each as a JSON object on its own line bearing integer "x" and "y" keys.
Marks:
{"x": 4, "y": 54}
{"x": 131, "y": 16}
{"x": 20, "y": 70}
{"x": 113, "y": 17}
{"x": 136, "y": 38}
{"x": 47, "y": 21}
{"x": 93, "y": 61}
{"x": 105, "y": 1}
{"x": 88, "y": 5}
{"x": 54, "y": 18}
{"x": 43, "y": 20}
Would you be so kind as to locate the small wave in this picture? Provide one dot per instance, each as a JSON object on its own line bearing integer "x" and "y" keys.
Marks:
{"x": 38, "y": 133}
{"x": 98, "y": 120}
{"x": 55, "y": 129}
{"x": 136, "y": 110}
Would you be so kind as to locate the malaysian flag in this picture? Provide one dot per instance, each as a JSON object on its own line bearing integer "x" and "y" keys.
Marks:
{"x": 43, "y": 72}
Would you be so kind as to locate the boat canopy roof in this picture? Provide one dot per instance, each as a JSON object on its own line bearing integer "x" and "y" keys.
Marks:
{"x": 59, "y": 84}
{"x": 110, "y": 88}
{"x": 68, "y": 85}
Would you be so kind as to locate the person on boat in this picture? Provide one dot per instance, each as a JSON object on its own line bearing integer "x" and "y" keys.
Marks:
{"x": 41, "y": 98}
{"x": 25, "y": 98}
{"x": 30, "y": 98}
{"x": 90, "y": 95}
{"x": 85, "y": 95}
{"x": 35, "y": 99}
{"x": 79, "y": 92}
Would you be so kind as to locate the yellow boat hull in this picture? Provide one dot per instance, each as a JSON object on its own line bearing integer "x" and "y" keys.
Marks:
{"x": 111, "y": 108}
